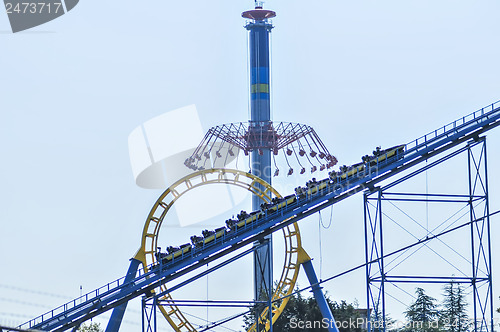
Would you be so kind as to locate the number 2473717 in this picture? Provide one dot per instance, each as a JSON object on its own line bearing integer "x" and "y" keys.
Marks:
{"x": 33, "y": 8}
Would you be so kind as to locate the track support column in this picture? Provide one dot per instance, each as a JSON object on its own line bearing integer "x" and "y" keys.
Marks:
{"x": 306, "y": 262}
{"x": 480, "y": 232}
{"x": 118, "y": 312}
{"x": 374, "y": 256}
{"x": 475, "y": 270}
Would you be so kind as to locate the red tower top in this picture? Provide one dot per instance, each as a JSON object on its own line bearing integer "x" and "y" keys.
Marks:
{"x": 259, "y": 14}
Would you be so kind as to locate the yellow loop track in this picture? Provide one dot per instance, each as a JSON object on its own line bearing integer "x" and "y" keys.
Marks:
{"x": 255, "y": 185}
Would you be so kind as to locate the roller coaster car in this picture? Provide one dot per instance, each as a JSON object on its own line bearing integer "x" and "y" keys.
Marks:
{"x": 175, "y": 252}
{"x": 178, "y": 251}
{"x": 265, "y": 206}
{"x": 250, "y": 218}
{"x": 359, "y": 170}
{"x": 353, "y": 170}
{"x": 333, "y": 176}
{"x": 312, "y": 183}
{"x": 278, "y": 200}
{"x": 242, "y": 215}
{"x": 171, "y": 249}
{"x": 163, "y": 257}
{"x": 395, "y": 151}
{"x": 206, "y": 233}
{"x": 197, "y": 241}
{"x": 287, "y": 200}
{"x": 220, "y": 231}
{"x": 257, "y": 214}
{"x": 317, "y": 186}
{"x": 185, "y": 248}
{"x": 209, "y": 236}
{"x": 231, "y": 224}
{"x": 300, "y": 192}
{"x": 278, "y": 203}
{"x": 160, "y": 256}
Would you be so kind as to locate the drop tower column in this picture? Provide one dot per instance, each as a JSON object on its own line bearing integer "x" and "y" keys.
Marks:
{"x": 259, "y": 28}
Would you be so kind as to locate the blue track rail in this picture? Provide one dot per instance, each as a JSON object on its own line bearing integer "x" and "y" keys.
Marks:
{"x": 113, "y": 294}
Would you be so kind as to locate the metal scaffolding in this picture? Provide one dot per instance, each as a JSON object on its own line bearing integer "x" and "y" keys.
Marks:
{"x": 474, "y": 207}
{"x": 154, "y": 302}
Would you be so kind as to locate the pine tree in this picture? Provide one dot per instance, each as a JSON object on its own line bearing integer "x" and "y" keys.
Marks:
{"x": 454, "y": 315}
{"x": 379, "y": 321}
{"x": 306, "y": 310}
{"x": 422, "y": 315}
{"x": 92, "y": 327}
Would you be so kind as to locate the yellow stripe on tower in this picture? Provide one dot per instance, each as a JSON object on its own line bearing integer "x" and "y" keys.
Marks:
{"x": 260, "y": 88}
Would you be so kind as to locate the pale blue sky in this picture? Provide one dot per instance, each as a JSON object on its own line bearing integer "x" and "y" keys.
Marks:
{"x": 362, "y": 73}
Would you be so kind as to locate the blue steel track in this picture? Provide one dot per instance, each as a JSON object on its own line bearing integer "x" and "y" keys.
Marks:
{"x": 118, "y": 292}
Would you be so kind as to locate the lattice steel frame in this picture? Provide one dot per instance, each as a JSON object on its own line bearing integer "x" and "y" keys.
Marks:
{"x": 150, "y": 305}
{"x": 477, "y": 199}
{"x": 149, "y": 319}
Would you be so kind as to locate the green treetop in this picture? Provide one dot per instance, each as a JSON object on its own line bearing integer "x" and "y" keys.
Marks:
{"x": 422, "y": 315}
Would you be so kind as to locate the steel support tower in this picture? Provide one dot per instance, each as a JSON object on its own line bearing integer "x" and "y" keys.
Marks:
{"x": 259, "y": 28}
{"x": 386, "y": 206}
{"x": 150, "y": 304}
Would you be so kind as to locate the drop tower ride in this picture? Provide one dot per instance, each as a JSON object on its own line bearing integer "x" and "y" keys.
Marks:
{"x": 259, "y": 28}
{"x": 261, "y": 139}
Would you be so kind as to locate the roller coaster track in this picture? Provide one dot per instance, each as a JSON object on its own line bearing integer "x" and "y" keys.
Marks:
{"x": 118, "y": 292}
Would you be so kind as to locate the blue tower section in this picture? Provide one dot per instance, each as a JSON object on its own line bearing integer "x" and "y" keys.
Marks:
{"x": 259, "y": 29}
